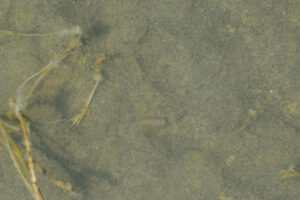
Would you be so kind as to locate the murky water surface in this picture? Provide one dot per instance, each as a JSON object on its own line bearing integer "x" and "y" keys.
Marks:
{"x": 199, "y": 99}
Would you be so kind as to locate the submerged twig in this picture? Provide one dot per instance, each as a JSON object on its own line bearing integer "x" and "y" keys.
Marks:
{"x": 77, "y": 118}
{"x": 12, "y": 154}
{"x": 97, "y": 77}
{"x": 27, "y": 168}
{"x": 37, "y": 192}
{"x": 43, "y": 72}
{"x": 64, "y": 185}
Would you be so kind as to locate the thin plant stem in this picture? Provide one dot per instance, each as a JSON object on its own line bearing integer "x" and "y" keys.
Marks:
{"x": 77, "y": 119}
{"x": 5, "y": 136}
{"x": 43, "y": 72}
{"x": 64, "y": 185}
{"x": 37, "y": 192}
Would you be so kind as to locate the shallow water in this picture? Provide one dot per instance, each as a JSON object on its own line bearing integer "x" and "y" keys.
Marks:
{"x": 179, "y": 80}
